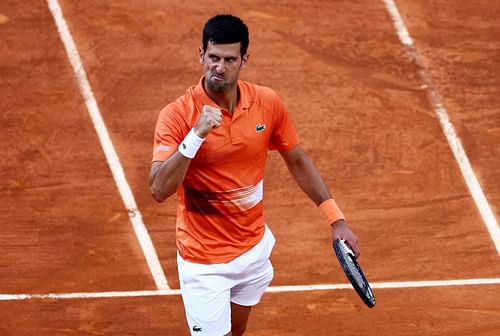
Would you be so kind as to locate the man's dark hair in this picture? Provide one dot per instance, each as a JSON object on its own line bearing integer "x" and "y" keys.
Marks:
{"x": 226, "y": 29}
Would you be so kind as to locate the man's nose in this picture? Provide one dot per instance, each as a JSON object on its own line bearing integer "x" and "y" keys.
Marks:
{"x": 220, "y": 67}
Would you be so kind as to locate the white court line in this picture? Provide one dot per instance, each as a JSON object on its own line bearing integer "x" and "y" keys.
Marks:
{"x": 273, "y": 289}
{"x": 108, "y": 148}
{"x": 448, "y": 129}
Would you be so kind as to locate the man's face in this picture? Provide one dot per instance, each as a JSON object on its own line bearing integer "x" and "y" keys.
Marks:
{"x": 221, "y": 65}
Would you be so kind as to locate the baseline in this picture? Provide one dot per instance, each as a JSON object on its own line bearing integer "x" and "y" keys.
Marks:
{"x": 272, "y": 289}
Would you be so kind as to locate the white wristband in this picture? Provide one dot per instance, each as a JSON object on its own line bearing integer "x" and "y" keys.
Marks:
{"x": 190, "y": 145}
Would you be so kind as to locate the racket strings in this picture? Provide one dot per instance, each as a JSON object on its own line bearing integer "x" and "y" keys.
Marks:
{"x": 354, "y": 273}
{"x": 351, "y": 263}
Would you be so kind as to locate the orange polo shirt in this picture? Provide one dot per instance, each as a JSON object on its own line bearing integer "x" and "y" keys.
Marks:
{"x": 220, "y": 213}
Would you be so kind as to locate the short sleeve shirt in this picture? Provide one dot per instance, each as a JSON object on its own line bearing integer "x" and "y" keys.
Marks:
{"x": 220, "y": 212}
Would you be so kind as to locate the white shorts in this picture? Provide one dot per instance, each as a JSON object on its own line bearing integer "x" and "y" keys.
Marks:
{"x": 208, "y": 290}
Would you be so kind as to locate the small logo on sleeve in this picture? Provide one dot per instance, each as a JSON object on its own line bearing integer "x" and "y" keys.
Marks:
{"x": 163, "y": 148}
{"x": 260, "y": 127}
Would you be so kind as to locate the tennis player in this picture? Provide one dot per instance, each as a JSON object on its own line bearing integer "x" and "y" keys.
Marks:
{"x": 210, "y": 147}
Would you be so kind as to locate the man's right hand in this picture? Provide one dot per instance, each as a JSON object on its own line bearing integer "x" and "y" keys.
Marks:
{"x": 210, "y": 118}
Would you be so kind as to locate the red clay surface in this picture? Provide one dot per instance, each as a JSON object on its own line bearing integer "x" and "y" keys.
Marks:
{"x": 362, "y": 115}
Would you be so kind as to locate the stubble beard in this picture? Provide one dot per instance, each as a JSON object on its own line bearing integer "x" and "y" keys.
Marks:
{"x": 217, "y": 86}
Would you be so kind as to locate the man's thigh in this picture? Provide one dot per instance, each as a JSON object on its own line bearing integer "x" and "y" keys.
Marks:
{"x": 206, "y": 299}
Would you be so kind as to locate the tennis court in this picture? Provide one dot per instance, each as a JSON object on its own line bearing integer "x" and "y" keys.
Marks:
{"x": 405, "y": 129}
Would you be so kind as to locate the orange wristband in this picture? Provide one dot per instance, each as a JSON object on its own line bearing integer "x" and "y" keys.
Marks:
{"x": 331, "y": 211}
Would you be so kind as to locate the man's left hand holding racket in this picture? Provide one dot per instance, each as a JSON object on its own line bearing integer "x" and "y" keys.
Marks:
{"x": 345, "y": 245}
{"x": 340, "y": 230}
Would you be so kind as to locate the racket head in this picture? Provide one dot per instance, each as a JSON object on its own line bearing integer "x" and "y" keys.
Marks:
{"x": 353, "y": 271}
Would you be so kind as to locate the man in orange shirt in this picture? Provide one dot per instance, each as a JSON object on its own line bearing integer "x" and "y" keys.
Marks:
{"x": 210, "y": 147}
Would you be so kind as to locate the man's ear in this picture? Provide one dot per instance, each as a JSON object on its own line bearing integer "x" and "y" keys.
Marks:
{"x": 201, "y": 53}
{"x": 244, "y": 61}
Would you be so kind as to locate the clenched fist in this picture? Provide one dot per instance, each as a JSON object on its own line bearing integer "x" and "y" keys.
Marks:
{"x": 210, "y": 118}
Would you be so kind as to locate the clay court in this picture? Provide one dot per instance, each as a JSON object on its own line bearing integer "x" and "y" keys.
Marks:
{"x": 404, "y": 129}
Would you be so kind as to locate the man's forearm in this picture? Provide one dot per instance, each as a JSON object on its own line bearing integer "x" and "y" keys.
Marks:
{"x": 310, "y": 181}
{"x": 306, "y": 175}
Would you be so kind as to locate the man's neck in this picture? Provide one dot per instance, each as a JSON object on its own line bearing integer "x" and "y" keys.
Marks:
{"x": 226, "y": 100}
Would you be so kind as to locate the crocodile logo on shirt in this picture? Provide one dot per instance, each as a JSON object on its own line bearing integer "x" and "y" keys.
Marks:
{"x": 197, "y": 329}
{"x": 260, "y": 127}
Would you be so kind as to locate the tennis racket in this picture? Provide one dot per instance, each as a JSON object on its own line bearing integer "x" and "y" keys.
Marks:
{"x": 353, "y": 271}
